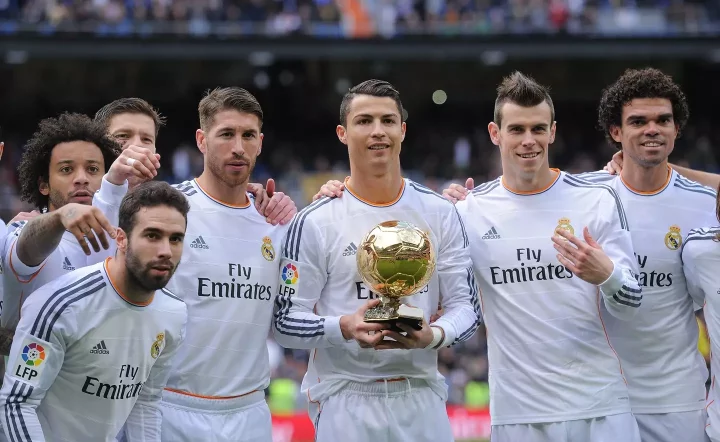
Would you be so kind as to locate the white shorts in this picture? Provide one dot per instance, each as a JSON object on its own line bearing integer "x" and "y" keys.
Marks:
{"x": 615, "y": 428}
{"x": 688, "y": 426}
{"x": 405, "y": 410}
{"x": 193, "y": 419}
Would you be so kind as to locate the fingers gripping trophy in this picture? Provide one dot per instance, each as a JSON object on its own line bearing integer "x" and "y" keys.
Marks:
{"x": 396, "y": 259}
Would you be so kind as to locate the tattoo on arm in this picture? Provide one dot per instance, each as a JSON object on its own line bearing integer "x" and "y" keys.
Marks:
{"x": 39, "y": 238}
{"x": 6, "y": 337}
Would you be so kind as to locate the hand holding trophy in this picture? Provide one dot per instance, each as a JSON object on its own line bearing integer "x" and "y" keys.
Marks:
{"x": 396, "y": 259}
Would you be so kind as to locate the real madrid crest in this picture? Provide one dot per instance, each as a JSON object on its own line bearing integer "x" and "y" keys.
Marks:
{"x": 673, "y": 239}
{"x": 564, "y": 224}
{"x": 157, "y": 347}
{"x": 268, "y": 252}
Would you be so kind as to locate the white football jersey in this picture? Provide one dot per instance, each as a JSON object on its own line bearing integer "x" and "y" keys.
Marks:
{"x": 228, "y": 278}
{"x": 549, "y": 354}
{"x": 85, "y": 360}
{"x": 664, "y": 369}
{"x": 701, "y": 261}
{"x": 320, "y": 283}
{"x": 19, "y": 280}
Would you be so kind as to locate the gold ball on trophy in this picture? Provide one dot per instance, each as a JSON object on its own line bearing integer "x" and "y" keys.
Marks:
{"x": 396, "y": 259}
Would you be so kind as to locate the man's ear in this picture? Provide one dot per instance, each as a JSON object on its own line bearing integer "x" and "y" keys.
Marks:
{"x": 121, "y": 240}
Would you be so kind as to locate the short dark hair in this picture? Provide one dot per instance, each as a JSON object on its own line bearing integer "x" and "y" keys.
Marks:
{"x": 522, "y": 90}
{"x": 129, "y": 106}
{"x": 375, "y": 88}
{"x": 150, "y": 194}
{"x": 34, "y": 165}
{"x": 227, "y": 98}
{"x": 640, "y": 83}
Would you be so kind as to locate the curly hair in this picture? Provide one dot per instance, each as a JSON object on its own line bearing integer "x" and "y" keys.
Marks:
{"x": 35, "y": 163}
{"x": 640, "y": 83}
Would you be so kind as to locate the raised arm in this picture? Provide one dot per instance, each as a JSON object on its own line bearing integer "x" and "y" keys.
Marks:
{"x": 137, "y": 163}
{"x": 41, "y": 235}
{"x": 711, "y": 180}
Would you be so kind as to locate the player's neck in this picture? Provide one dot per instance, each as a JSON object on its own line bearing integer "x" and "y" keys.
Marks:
{"x": 645, "y": 179}
{"x": 521, "y": 183}
{"x": 376, "y": 189}
{"x": 120, "y": 279}
{"x": 215, "y": 188}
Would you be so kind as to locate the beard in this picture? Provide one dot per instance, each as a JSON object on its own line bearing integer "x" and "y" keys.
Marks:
{"x": 139, "y": 273}
{"x": 56, "y": 199}
{"x": 217, "y": 168}
{"x": 647, "y": 162}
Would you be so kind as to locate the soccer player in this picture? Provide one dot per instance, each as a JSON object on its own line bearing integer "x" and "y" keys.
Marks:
{"x": 60, "y": 170}
{"x": 135, "y": 124}
{"x": 700, "y": 255}
{"x": 711, "y": 180}
{"x": 228, "y": 279}
{"x": 93, "y": 348}
{"x": 642, "y": 114}
{"x": 131, "y": 122}
{"x": 554, "y": 376}
{"x": 366, "y": 382}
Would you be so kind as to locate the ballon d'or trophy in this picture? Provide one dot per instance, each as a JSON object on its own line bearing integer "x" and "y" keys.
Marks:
{"x": 396, "y": 259}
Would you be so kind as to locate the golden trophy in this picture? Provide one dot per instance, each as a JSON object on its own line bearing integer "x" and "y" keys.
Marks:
{"x": 396, "y": 259}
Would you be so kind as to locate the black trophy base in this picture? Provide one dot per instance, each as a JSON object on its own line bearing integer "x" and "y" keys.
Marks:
{"x": 409, "y": 316}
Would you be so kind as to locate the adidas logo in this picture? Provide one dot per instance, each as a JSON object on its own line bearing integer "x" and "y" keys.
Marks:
{"x": 491, "y": 234}
{"x": 350, "y": 250}
{"x": 100, "y": 349}
{"x": 67, "y": 265}
{"x": 199, "y": 243}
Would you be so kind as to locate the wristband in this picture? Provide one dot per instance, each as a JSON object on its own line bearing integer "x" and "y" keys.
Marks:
{"x": 438, "y": 337}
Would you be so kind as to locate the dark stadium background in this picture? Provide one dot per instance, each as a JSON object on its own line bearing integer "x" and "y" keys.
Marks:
{"x": 298, "y": 57}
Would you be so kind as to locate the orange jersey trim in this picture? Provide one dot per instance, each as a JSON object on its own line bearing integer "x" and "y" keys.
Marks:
{"x": 233, "y": 206}
{"x": 371, "y": 203}
{"x": 18, "y": 277}
{"x": 185, "y": 393}
{"x": 121, "y": 294}
{"x": 651, "y": 192}
{"x": 532, "y": 192}
{"x": 598, "y": 296}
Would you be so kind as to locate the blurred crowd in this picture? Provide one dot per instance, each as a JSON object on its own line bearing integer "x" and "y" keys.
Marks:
{"x": 361, "y": 18}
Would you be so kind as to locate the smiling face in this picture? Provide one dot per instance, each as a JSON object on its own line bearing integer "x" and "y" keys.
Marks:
{"x": 647, "y": 132}
{"x": 524, "y": 137}
{"x": 374, "y": 132}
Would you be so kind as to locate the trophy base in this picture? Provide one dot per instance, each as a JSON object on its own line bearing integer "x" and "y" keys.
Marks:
{"x": 404, "y": 314}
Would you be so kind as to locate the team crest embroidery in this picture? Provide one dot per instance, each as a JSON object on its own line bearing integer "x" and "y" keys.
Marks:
{"x": 564, "y": 224}
{"x": 268, "y": 252}
{"x": 157, "y": 346}
{"x": 673, "y": 239}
